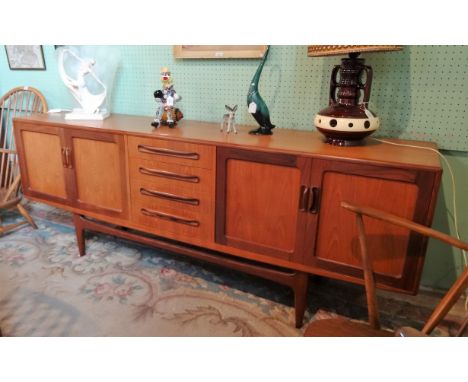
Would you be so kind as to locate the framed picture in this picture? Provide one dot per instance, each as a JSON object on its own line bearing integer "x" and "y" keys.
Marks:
{"x": 219, "y": 51}
{"x": 25, "y": 57}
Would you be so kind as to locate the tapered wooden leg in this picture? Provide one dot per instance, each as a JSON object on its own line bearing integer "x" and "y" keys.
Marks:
{"x": 300, "y": 286}
{"x": 80, "y": 234}
{"x": 26, "y": 215}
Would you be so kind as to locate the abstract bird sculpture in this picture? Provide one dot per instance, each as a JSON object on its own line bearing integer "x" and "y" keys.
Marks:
{"x": 257, "y": 106}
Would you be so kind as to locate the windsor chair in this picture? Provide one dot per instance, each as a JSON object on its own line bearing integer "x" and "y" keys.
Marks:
{"x": 19, "y": 101}
{"x": 343, "y": 327}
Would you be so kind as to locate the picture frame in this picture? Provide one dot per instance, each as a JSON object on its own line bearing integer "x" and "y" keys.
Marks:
{"x": 25, "y": 57}
{"x": 219, "y": 51}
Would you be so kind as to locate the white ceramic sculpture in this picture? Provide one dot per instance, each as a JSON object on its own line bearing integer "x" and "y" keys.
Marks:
{"x": 91, "y": 104}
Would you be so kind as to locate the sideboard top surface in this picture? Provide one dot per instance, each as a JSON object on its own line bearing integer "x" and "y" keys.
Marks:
{"x": 297, "y": 142}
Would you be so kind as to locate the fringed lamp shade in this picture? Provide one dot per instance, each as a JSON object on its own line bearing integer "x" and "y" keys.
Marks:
{"x": 334, "y": 50}
{"x": 347, "y": 120}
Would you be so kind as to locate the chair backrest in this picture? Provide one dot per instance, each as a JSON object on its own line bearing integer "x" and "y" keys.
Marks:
{"x": 450, "y": 297}
{"x": 19, "y": 101}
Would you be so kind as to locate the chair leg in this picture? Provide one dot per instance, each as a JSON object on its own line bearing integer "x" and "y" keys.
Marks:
{"x": 26, "y": 215}
{"x": 462, "y": 329}
{"x": 447, "y": 302}
{"x": 6, "y": 228}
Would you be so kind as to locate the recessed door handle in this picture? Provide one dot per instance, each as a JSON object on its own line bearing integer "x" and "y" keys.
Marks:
{"x": 66, "y": 159}
{"x": 303, "y": 198}
{"x": 314, "y": 200}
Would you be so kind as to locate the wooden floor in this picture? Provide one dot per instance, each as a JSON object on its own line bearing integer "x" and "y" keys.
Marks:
{"x": 395, "y": 309}
{"x": 428, "y": 298}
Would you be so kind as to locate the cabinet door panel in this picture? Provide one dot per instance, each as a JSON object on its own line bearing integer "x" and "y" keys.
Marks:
{"x": 99, "y": 172}
{"x": 257, "y": 205}
{"x": 41, "y": 160}
{"x": 396, "y": 253}
{"x": 265, "y": 213}
{"x": 338, "y": 231}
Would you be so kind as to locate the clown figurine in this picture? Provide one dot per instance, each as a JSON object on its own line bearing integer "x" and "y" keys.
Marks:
{"x": 166, "y": 113}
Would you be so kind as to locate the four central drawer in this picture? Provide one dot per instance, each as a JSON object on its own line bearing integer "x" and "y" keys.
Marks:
{"x": 172, "y": 188}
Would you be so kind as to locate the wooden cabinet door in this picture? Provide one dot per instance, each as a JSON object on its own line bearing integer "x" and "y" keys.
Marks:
{"x": 258, "y": 197}
{"x": 397, "y": 255}
{"x": 43, "y": 162}
{"x": 99, "y": 180}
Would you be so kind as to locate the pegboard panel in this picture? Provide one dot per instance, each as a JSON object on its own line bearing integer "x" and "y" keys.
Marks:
{"x": 419, "y": 93}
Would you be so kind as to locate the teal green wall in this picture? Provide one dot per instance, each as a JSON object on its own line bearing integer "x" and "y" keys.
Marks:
{"x": 443, "y": 265}
{"x": 419, "y": 93}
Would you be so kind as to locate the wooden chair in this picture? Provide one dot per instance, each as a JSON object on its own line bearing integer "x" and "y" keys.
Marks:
{"x": 17, "y": 102}
{"x": 346, "y": 328}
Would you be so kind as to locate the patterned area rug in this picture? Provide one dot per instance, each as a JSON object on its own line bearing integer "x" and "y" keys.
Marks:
{"x": 123, "y": 289}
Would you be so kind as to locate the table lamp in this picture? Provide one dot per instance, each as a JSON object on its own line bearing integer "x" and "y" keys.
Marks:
{"x": 347, "y": 120}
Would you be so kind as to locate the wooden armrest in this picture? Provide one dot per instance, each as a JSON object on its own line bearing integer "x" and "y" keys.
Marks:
{"x": 393, "y": 219}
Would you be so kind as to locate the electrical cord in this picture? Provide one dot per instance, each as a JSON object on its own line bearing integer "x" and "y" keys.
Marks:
{"x": 452, "y": 177}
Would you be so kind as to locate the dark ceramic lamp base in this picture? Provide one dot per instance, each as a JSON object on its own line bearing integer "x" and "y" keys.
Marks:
{"x": 346, "y": 120}
{"x": 346, "y": 131}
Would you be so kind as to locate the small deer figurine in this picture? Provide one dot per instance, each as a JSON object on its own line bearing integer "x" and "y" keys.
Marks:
{"x": 229, "y": 120}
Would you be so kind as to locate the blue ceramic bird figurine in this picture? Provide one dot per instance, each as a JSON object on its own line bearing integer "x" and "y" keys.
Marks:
{"x": 257, "y": 106}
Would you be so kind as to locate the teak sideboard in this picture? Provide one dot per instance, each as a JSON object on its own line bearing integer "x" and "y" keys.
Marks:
{"x": 265, "y": 205}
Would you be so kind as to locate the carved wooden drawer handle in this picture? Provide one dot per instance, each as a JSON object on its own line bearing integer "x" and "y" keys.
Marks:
{"x": 165, "y": 195}
{"x": 168, "y": 152}
{"x": 176, "y": 219}
{"x": 170, "y": 175}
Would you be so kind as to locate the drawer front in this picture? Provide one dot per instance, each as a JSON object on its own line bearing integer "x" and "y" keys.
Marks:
{"x": 174, "y": 219}
{"x": 172, "y": 198}
{"x": 189, "y": 154}
{"x": 172, "y": 178}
